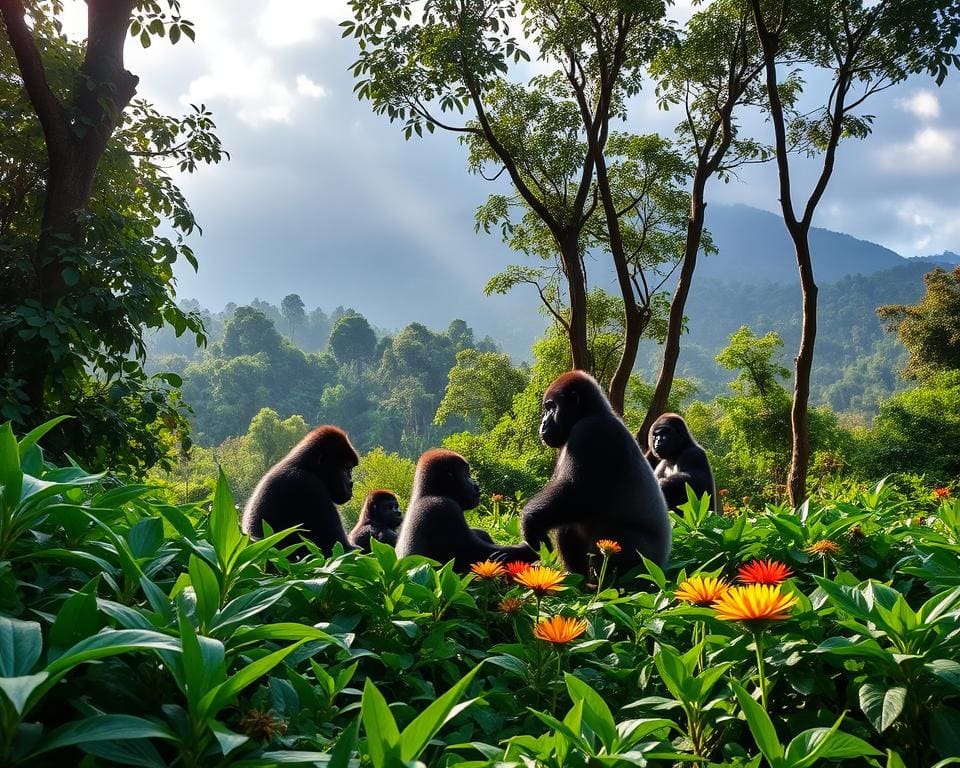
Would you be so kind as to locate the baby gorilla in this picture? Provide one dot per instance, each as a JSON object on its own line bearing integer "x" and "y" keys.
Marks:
{"x": 602, "y": 486}
{"x": 681, "y": 461}
{"x": 435, "y": 526}
{"x": 303, "y": 489}
{"x": 379, "y": 519}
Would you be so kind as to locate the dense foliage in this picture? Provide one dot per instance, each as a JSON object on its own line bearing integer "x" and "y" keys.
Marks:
{"x": 137, "y": 632}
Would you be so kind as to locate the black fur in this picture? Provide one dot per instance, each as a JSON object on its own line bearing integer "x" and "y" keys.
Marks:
{"x": 681, "y": 460}
{"x": 379, "y": 519}
{"x": 303, "y": 488}
{"x": 434, "y": 525}
{"x": 602, "y": 486}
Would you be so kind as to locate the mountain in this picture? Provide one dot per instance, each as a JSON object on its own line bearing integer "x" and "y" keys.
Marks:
{"x": 948, "y": 258}
{"x": 754, "y": 248}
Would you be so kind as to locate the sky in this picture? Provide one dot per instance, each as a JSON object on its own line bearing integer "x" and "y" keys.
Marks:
{"x": 323, "y": 198}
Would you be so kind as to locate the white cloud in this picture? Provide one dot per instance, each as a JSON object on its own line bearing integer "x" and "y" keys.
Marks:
{"x": 292, "y": 22}
{"x": 249, "y": 84}
{"x": 931, "y": 151}
{"x": 923, "y": 104}
{"x": 306, "y": 87}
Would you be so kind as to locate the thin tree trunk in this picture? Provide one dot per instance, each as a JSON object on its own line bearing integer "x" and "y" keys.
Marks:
{"x": 577, "y": 291}
{"x": 799, "y": 420}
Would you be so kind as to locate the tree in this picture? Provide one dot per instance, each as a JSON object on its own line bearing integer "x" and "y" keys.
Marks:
{"x": 250, "y": 332}
{"x": 292, "y": 309}
{"x": 712, "y": 72}
{"x": 84, "y": 189}
{"x": 272, "y": 438}
{"x": 929, "y": 329}
{"x": 863, "y": 48}
{"x": 481, "y": 388}
{"x": 549, "y": 137}
{"x": 352, "y": 340}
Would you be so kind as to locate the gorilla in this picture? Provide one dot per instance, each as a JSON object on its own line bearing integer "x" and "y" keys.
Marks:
{"x": 681, "y": 460}
{"x": 379, "y": 519}
{"x": 434, "y": 525}
{"x": 602, "y": 486}
{"x": 303, "y": 489}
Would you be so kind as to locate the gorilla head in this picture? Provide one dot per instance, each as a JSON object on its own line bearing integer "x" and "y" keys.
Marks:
{"x": 571, "y": 397}
{"x": 669, "y": 437}
{"x": 445, "y": 473}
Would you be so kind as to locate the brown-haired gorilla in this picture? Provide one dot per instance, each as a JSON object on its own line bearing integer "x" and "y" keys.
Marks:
{"x": 602, "y": 486}
{"x": 434, "y": 525}
{"x": 303, "y": 489}
{"x": 680, "y": 460}
{"x": 379, "y": 519}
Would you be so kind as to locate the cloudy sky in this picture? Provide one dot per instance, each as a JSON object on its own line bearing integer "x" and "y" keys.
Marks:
{"x": 326, "y": 199}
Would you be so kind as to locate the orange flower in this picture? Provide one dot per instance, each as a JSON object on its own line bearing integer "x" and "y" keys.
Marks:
{"x": 488, "y": 569}
{"x": 517, "y": 567}
{"x": 510, "y": 605}
{"x": 724, "y": 492}
{"x": 609, "y": 547}
{"x": 941, "y": 493}
{"x": 729, "y": 510}
{"x": 496, "y": 497}
{"x": 701, "y": 590}
{"x": 823, "y": 548}
{"x": 559, "y": 629}
{"x": 755, "y": 602}
{"x": 541, "y": 580}
{"x": 764, "y": 572}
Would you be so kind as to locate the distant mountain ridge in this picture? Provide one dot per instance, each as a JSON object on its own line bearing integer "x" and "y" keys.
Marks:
{"x": 754, "y": 248}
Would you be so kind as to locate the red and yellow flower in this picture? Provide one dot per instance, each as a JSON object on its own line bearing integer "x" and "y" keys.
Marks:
{"x": 702, "y": 590}
{"x": 764, "y": 572}
{"x": 755, "y": 603}
{"x": 559, "y": 629}
{"x": 609, "y": 547}
{"x": 941, "y": 493}
{"x": 517, "y": 567}
{"x": 488, "y": 569}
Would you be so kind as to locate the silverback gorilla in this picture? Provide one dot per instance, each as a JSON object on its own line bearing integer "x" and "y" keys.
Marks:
{"x": 434, "y": 525}
{"x": 602, "y": 486}
{"x": 379, "y": 519}
{"x": 681, "y": 460}
{"x": 303, "y": 489}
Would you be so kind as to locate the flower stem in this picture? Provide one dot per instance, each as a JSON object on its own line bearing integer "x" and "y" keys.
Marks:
{"x": 825, "y": 574}
{"x": 603, "y": 573}
{"x": 758, "y": 645}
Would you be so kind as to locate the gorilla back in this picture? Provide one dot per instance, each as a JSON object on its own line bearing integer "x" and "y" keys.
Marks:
{"x": 434, "y": 525}
{"x": 602, "y": 486}
{"x": 303, "y": 489}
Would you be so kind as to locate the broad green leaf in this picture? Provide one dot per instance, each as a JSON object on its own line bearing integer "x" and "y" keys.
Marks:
{"x": 19, "y": 689}
{"x": 672, "y": 672}
{"x": 224, "y": 526}
{"x": 11, "y": 476}
{"x": 947, "y": 670}
{"x": 424, "y": 727}
{"x": 204, "y": 664}
{"x": 760, "y": 725}
{"x": 284, "y": 631}
{"x": 104, "y": 728}
{"x": 383, "y": 737}
{"x": 595, "y": 710}
{"x": 110, "y": 643}
{"x": 346, "y": 745}
{"x": 145, "y": 538}
{"x": 227, "y": 739}
{"x": 882, "y": 705}
{"x": 223, "y": 694}
{"x": 247, "y": 605}
{"x": 139, "y": 753}
{"x": 206, "y": 589}
{"x": 20, "y": 646}
{"x": 77, "y": 619}
{"x": 816, "y": 744}
{"x": 894, "y": 760}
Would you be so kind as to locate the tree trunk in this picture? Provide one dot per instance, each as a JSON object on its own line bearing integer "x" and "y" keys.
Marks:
{"x": 799, "y": 421}
{"x": 671, "y": 348}
{"x": 577, "y": 290}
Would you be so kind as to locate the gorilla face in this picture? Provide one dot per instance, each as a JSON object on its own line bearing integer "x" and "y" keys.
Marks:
{"x": 339, "y": 480}
{"x": 666, "y": 440}
{"x": 469, "y": 490}
{"x": 388, "y": 512}
{"x": 559, "y": 417}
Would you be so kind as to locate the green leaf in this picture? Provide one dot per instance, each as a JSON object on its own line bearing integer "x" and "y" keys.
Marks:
{"x": 346, "y": 745}
{"x": 383, "y": 737}
{"x": 19, "y": 689}
{"x": 33, "y": 436}
{"x": 223, "y": 694}
{"x": 204, "y": 664}
{"x": 760, "y": 725}
{"x": 424, "y": 727}
{"x": 104, "y": 728}
{"x": 595, "y": 710}
{"x": 224, "y": 526}
{"x": 20, "y": 646}
{"x": 816, "y": 744}
{"x": 206, "y": 589}
{"x": 11, "y": 476}
{"x": 947, "y": 670}
{"x": 227, "y": 739}
{"x": 146, "y": 537}
{"x": 110, "y": 643}
{"x": 672, "y": 672}
{"x": 882, "y": 705}
{"x": 76, "y": 620}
